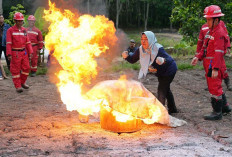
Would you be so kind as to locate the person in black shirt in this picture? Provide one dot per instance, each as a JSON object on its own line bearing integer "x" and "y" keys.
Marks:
{"x": 132, "y": 48}
{"x": 3, "y": 29}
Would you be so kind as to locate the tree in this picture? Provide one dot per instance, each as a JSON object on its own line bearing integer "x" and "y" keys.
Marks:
{"x": 14, "y": 9}
{"x": 1, "y": 11}
{"x": 188, "y": 14}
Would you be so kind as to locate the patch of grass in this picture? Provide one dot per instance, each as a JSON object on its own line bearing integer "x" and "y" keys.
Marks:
{"x": 42, "y": 70}
{"x": 7, "y": 71}
{"x": 122, "y": 66}
{"x": 188, "y": 66}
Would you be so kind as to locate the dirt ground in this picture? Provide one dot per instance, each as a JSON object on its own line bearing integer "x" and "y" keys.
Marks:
{"x": 36, "y": 123}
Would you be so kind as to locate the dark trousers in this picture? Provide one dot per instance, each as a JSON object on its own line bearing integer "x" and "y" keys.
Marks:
{"x": 164, "y": 92}
{"x": 3, "y": 48}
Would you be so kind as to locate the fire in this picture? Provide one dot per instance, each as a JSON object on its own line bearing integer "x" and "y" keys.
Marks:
{"x": 76, "y": 42}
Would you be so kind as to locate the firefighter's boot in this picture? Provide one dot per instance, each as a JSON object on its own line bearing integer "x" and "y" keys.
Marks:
{"x": 217, "y": 110}
{"x": 25, "y": 86}
{"x": 227, "y": 82}
{"x": 225, "y": 107}
{"x": 19, "y": 90}
{"x": 171, "y": 103}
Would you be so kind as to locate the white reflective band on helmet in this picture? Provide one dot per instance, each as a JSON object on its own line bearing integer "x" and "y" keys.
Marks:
{"x": 9, "y": 43}
{"x": 32, "y": 32}
{"x": 25, "y": 73}
{"x": 205, "y": 28}
{"x": 219, "y": 51}
{"x": 217, "y": 11}
{"x": 16, "y": 76}
{"x": 17, "y": 33}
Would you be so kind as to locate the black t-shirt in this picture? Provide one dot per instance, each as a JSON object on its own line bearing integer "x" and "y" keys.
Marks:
{"x": 1, "y": 31}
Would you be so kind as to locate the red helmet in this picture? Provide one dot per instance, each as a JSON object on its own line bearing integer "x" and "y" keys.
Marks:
{"x": 31, "y": 18}
{"x": 18, "y": 16}
{"x": 213, "y": 11}
{"x": 205, "y": 10}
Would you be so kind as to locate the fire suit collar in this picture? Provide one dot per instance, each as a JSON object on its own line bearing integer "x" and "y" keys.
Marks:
{"x": 16, "y": 28}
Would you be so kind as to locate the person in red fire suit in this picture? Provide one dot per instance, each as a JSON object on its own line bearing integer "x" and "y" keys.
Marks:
{"x": 214, "y": 48}
{"x": 203, "y": 31}
{"x": 36, "y": 39}
{"x": 18, "y": 46}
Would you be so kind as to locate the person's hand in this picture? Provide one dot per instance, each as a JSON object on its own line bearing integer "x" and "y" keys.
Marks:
{"x": 214, "y": 73}
{"x": 228, "y": 51}
{"x": 160, "y": 60}
{"x": 194, "y": 61}
{"x": 125, "y": 54}
{"x": 151, "y": 69}
{"x": 9, "y": 58}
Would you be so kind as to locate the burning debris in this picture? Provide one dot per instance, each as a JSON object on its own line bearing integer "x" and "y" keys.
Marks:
{"x": 76, "y": 41}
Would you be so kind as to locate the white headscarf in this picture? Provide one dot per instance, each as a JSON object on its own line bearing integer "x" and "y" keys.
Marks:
{"x": 147, "y": 59}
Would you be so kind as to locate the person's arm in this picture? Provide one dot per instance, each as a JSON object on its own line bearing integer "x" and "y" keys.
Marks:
{"x": 40, "y": 40}
{"x": 200, "y": 41}
{"x": 219, "y": 48}
{"x": 133, "y": 58}
{"x": 8, "y": 42}
{"x": 28, "y": 45}
{"x": 163, "y": 57}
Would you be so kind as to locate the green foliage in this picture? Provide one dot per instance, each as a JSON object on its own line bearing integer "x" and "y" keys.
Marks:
{"x": 123, "y": 65}
{"x": 188, "y": 66}
{"x": 14, "y": 9}
{"x": 188, "y": 14}
{"x": 41, "y": 23}
{"x": 42, "y": 71}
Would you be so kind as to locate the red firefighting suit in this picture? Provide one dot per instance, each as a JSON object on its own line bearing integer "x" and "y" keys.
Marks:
{"x": 203, "y": 31}
{"x": 216, "y": 42}
{"x": 17, "y": 46}
{"x": 36, "y": 39}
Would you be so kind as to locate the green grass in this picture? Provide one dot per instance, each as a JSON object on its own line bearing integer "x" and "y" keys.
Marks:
{"x": 123, "y": 66}
{"x": 42, "y": 70}
{"x": 188, "y": 66}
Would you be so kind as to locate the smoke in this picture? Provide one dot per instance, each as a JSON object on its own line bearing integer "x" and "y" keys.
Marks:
{"x": 93, "y": 7}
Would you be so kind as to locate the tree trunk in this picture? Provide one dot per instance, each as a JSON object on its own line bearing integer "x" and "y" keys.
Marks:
{"x": 118, "y": 9}
{"x": 146, "y": 16}
{"x": 88, "y": 11}
{"x": 1, "y": 10}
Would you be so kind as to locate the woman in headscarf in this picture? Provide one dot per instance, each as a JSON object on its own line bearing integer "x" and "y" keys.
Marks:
{"x": 154, "y": 59}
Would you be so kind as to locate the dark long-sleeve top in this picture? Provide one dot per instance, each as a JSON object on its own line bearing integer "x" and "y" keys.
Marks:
{"x": 168, "y": 68}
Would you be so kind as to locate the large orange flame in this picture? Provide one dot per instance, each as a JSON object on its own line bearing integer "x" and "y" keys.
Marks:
{"x": 76, "y": 43}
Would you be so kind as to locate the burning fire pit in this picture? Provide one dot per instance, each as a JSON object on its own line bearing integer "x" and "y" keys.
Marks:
{"x": 109, "y": 122}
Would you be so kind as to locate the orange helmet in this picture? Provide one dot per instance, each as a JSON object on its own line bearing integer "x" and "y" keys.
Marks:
{"x": 213, "y": 11}
{"x": 31, "y": 18}
{"x": 18, "y": 16}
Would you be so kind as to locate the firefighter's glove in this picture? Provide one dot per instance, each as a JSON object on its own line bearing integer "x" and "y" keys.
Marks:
{"x": 214, "y": 73}
{"x": 125, "y": 54}
{"x": 9, "y": 58}
{"x": 194, "y": 61}
{"x": 160, "y": 60}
